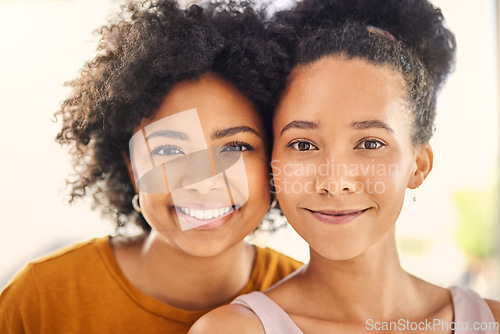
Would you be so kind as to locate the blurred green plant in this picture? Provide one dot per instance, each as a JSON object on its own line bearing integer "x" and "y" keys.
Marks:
{"x": 478, "y": 217}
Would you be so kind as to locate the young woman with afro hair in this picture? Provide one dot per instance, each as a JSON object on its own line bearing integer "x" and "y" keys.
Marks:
{"x": 220, "y": 66}
{"x": 361, "y": 99}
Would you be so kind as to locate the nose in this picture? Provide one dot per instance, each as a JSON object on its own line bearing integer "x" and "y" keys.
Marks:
{"x": 209, "y": 184}
{"x": 194, "y": 171}
{"x": 333, "y": 177}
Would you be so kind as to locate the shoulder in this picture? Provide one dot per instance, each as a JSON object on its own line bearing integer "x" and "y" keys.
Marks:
{"x": 469, "y": 299}
{"x": 59, "y": 281}
{"x": 60, "y": 263}
{"x": 19, "y": 302}
{"x": 73, "y": 250}
{"x": 495, "y": 308}
{"x": 228, "y": 319}
{"x": 71, "y": 256}
{"x": 23, "y": 283}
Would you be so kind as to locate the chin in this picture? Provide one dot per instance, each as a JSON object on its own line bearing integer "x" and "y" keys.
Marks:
{"x": 334, "y": 251}
{"x": 207, "y": 250}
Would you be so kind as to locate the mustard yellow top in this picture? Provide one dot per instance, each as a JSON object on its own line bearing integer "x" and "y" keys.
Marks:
{"x": 81, "y": 289}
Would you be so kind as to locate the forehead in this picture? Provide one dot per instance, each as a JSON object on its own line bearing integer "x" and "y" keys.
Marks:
{"x": 342, "y": 88}
{"x": 217, "y": 101}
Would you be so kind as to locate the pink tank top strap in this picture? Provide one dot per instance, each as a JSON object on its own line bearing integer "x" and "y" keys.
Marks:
{"x": 472, "y": 313}
{"x": 273, "y": 318}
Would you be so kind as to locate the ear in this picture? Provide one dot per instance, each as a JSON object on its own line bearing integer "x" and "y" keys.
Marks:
{"x": 423, "y": 165}
{"x": 128, "y": 163}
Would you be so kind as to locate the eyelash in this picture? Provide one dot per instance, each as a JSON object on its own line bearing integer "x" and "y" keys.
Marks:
{"x": 379, "y": 143}
{"x": 246, "y": 146}
{"x": 158, "y": 149}
{"x": 299, "y": 141}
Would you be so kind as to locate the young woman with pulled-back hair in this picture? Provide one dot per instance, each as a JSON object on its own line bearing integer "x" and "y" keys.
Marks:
{"x": 362, "y": 93}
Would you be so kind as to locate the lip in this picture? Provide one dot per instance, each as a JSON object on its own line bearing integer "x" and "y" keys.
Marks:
{"x": 202, "y": 206}
{"x": 336, "y": 217}
{"x": 194, "y": 223}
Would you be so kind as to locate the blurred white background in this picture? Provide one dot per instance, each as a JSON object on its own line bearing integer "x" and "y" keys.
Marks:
{"x": 45, "y": 43}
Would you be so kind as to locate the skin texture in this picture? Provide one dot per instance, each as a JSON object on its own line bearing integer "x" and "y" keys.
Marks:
{"x": 338, "y": 172}
{"x": 145, "y": 50}
{"x": 354, "y": 272}
{"x": 210, "y": 266}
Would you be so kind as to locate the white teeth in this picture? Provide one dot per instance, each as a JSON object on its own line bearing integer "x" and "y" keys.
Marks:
{"x": 205, "y": 214}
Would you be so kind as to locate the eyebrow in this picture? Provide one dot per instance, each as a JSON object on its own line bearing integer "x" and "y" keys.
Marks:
{"x": 217, "y": 134}
{"x": 300, "y": 125}
{"x": 169, "y": 134}
{"x": 362, "y": 125}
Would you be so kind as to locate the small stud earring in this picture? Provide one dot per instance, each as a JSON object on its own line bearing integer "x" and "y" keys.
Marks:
{"x": 415, "y": 192}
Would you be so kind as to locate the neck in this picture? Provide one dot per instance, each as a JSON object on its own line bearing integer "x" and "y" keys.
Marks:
{"x": 193, "y": 282}
{"x": 369, "y": 285}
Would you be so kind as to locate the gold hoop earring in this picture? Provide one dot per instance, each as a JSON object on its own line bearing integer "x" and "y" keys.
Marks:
{"x": 135, "y": 203}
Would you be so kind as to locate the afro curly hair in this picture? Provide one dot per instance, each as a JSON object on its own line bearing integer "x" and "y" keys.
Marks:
{"x": 149, "y": 47}
{"x": 408, "y": 35}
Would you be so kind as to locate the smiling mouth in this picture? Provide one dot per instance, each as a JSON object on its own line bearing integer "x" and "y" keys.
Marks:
{"x": 337, "y": 212}
{"x": 336, "y": 217}
{"x": 208, "y": 214}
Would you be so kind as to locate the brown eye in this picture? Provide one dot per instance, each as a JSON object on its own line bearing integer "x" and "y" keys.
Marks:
{"x": 303, "y": 146}
{"x": 370, "y": 144}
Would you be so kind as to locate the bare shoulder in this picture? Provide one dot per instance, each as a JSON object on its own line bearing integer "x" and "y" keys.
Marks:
{"x": 495, "y": 308}
{"x": 228, "y": 319}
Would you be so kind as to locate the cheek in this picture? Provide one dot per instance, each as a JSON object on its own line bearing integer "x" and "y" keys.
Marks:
{"x": 388, "y": 180}
{"x": 154, "y": 208}
{"x": 258, "y": 179}
{"x": 291, "y": 182}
